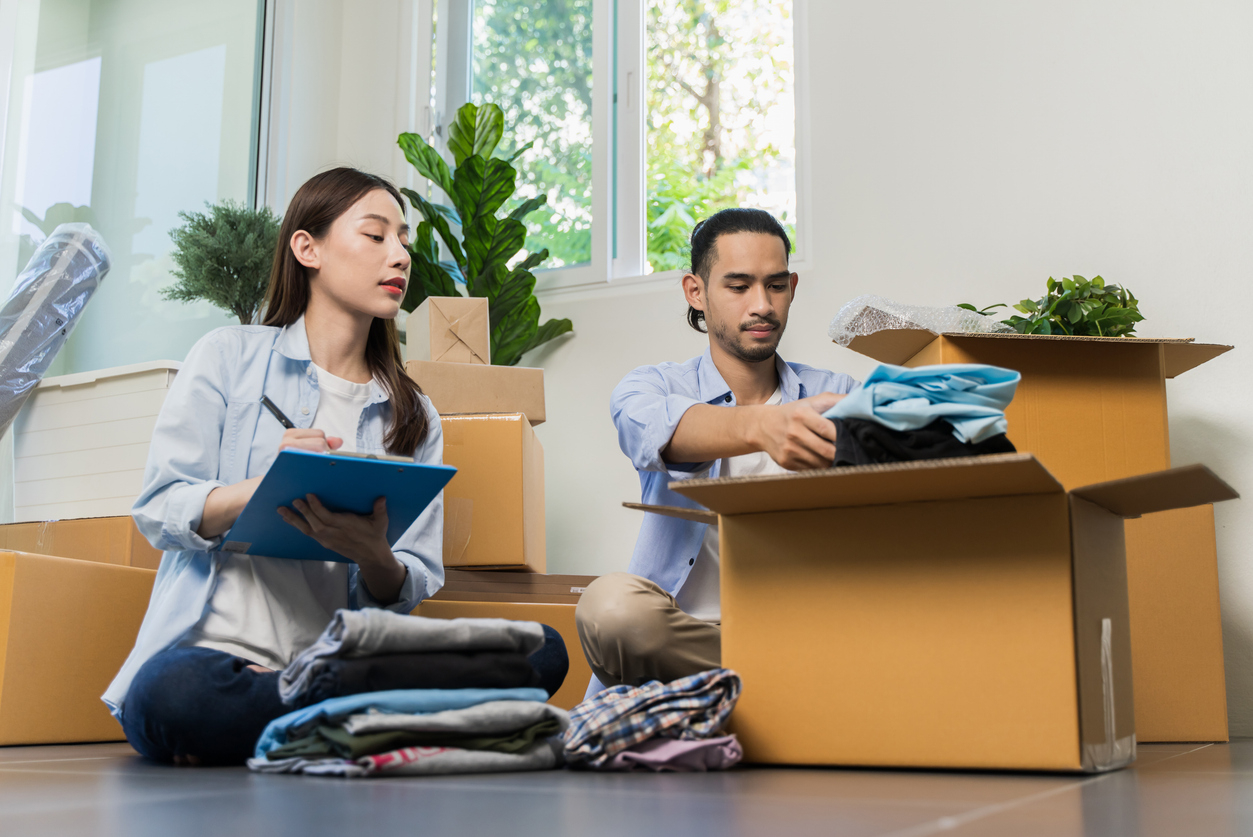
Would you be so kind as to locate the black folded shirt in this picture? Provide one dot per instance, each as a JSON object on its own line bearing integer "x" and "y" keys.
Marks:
{"x": 864, "y": 442}
{"x": 445, "y": 670}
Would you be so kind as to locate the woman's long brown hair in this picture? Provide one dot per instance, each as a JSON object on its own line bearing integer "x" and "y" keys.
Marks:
{"x": 315, "y": 206}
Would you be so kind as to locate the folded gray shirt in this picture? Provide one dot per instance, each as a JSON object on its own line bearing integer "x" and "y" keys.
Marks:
{"x": 373, "y": 632}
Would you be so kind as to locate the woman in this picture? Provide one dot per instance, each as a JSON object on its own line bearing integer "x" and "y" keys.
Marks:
{"x": 201, "y": 682}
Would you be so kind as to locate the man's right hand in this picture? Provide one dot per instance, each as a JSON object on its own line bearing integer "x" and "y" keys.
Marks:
{"x": 796, "y": 435}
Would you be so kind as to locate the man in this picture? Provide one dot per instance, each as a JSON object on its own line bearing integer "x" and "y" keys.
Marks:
{"x": 737, "y": 409}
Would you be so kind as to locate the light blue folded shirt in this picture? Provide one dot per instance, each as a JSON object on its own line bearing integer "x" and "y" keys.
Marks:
{"x": 970, "y": 396}
{"x": 400, "y": 701}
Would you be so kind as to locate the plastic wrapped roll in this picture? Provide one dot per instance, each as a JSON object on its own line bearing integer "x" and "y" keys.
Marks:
{"x": 47, "y": 300}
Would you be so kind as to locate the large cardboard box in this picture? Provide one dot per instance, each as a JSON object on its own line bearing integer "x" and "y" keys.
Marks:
{"x": 66, "y": 627}
{"x": 1094, "y": 409}
{"x": 549, "y": 599}
{"x": 450, "y": 329}
{"x": 472, "y": 388}
{"x": 108, "y": 540}
{"x": 494, "y": 506}
{"x": 966, "y": 613}
{"x": 80, "y": 443}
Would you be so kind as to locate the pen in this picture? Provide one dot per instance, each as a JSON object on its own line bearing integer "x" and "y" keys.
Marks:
{"x": 278, "y": 414}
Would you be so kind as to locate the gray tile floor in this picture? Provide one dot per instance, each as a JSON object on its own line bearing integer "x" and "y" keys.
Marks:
{"x": 1176, "y": 789}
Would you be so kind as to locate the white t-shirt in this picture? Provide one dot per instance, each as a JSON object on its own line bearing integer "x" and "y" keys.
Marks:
{"x": 268, "y": 610}
{"x": 700, "y": 595}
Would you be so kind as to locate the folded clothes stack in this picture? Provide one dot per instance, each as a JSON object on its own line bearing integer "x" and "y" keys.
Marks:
{"x": 670, "y": 727}
{"x": 929, "y": 412}
{"x": 382, "y": 693}
{"x": 374, "y": 650}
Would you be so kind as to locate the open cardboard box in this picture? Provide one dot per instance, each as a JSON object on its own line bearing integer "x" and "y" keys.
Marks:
{"x": 960, "y": 613}
{"x": 1093, "y": 409}
{"x": 534, "y": 597}
{"x": 108, "y": 540}
{"x": 66, "y": 627}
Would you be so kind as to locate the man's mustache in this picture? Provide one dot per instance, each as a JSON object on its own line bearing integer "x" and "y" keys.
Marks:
{"x": 770, "y": 321}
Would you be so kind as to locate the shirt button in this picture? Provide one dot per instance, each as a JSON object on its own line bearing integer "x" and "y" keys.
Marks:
{"x": 691, "y": 561}
{"x": 304, "y": 411}
{"x": 727, "y": 399}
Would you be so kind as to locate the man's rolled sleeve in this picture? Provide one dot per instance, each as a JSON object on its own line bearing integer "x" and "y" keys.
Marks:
{"x": 646, "y": 415}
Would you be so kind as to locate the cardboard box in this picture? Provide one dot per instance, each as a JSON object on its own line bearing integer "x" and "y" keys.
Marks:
{"x": 1094, "y": 409}
{"x": 108, "y": 540}
{"x": 66, "y": 627}
{"x": 963, "y": 613}
{"x": 450, "y": 329}
{"x": 80, "y": 443}
{"x": 518, "y": 587}
{"x": 559, "y": 616}
{"x": 494, "y": 506}
{"x": 471, "y": 388}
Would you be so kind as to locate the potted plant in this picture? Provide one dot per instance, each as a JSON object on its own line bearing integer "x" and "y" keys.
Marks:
{"x": 484, "y": 243}
{"x": 1075, "y": 306}
{"x": 224, "y": 256}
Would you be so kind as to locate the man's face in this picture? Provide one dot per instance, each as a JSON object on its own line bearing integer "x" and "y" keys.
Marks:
{"x": 747, "y": 295}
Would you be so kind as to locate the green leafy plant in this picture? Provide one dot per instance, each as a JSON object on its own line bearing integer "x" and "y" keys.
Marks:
{"x": 224, "y": 256}
{"x": 478, "y": 187}
{"x": 1075, "y": 306}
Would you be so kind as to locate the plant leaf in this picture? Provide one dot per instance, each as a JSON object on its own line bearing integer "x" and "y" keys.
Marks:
{"x": 518, "y": 153}
{"x": 528, "y": 206}
{"x": 426, "y": 160}
{"x": 514, "y": 332}
{"x": 437, "y": 220}
{"x": 482, "y": 186}
{"x": 490, "y": 242}
{"x": 476, "y": 131}
{"x": 549, "y": 330}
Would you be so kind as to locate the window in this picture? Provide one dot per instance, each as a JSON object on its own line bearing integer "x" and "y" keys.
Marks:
{"x": 646, "y": 116}
{"x": 122, "y": 115}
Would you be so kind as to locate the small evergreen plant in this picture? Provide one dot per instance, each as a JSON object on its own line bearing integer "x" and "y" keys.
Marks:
{"x": 224, "y": 256}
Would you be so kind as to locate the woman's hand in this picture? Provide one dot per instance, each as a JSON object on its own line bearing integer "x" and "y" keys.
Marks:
{"x": 361, "y": 538}
{"x": 309, "y": 439}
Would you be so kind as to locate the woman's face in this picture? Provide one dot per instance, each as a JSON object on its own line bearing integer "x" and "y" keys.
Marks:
{"x": 362, "y": 265}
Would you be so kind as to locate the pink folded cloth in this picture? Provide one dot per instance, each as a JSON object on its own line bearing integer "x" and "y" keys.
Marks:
{"x": 662, "y": 755}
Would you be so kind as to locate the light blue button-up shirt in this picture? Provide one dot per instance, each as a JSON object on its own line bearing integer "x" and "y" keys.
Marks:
{"x": 212, "y": 431}
{"x": 647, "y": 407}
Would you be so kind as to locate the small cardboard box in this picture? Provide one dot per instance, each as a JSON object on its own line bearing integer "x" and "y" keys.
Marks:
{"x": 1093, "y": 409}
{"x": 80, "y": 443}
{"x": 471, "y": 388}
{"x": 494, "y": 506}
{"x": 559, "y": 615}
{"x": 961, "y": 613}
{"x": 66, "y": 627}
{"x": 108, "y": 540}
{"x": 450, "y": 329}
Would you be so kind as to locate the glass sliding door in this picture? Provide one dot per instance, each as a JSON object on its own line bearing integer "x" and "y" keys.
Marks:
{"x": 123, "y": 113}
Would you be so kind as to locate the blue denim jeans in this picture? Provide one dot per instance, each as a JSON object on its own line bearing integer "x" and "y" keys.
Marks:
{"x": 208, "y": 704}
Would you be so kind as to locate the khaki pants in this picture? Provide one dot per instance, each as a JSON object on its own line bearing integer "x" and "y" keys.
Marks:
{"x": 633, "y": 632}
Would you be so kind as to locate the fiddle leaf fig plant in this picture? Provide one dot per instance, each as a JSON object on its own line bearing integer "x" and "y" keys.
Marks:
{"x": 480, "y": 242}
{"x": 1075, "y": 306}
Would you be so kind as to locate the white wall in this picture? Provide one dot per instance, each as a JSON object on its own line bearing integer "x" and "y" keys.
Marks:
{"x": 965, "y": 151}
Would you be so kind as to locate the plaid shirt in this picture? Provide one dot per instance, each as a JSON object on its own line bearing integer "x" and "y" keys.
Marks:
{"x": 690, "y": 708}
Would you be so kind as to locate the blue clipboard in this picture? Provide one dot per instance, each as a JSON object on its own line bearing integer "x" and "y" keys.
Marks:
{"x": 343, "y": 484}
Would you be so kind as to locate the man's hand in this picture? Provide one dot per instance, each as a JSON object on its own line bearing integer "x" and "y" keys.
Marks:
{"x": 796, "y": 435}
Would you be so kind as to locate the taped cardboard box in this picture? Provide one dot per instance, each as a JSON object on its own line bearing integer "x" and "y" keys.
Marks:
{"x": 494, "y": 506}
{"x": 471, "y": 388}
{"x": 108, "y": 540}
{"x": 1094, "y": 409}
{"x": 449, "y": 329}
{"x": 66, "y": 627}
{"x": 475, "y": 586}
{"x": 557, "y": 615}
{"x": 962, "y": 613}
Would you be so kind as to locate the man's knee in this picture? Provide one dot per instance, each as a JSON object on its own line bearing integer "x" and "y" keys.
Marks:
{"x": 625, "y": 610}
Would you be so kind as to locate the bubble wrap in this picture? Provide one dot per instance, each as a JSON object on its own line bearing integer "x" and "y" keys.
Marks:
{"x": 868, "y": 314}
{"x": 47, "y": 299}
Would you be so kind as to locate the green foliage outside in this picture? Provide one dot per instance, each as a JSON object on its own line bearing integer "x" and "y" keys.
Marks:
{"x": 478, "y": 187}
{"x": 1075, "y": 306}
{"x": 224, "y": 256}
{"x": 709, "y": 96}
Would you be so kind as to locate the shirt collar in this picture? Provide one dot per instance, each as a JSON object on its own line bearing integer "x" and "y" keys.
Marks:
{"x": 293, "y": 343}
{"x": 714, "y": 388}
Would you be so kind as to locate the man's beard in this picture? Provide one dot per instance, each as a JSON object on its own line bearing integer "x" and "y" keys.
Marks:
{"x": 753, "y": 353}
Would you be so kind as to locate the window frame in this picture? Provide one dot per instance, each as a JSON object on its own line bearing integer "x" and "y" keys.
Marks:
{"x": 619, "y": 196}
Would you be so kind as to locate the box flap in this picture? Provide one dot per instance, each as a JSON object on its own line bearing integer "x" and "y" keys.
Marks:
{"x": 1177, "y": 488}
{"x": 696, "y": 515}
{"x": 895, "y": 345}
{"x": 1180, "y": 357}
{"x": 871, "y": 485}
